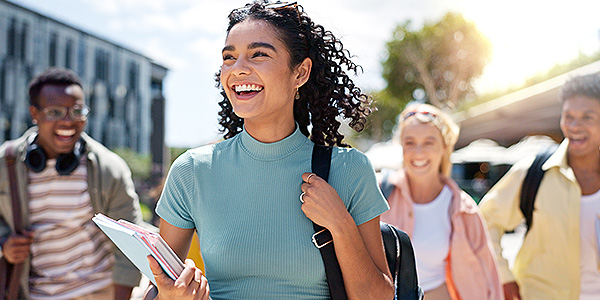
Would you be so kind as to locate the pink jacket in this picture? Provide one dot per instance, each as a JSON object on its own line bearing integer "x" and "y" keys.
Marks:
{"x": 472, "y": 269}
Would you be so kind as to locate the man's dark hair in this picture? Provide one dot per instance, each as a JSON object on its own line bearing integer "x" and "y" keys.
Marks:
{"x": 53, "y": 76}
{"x": 584, "y": 85}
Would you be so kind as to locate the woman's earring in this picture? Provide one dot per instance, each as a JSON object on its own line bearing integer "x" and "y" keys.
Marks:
{"x": 297, "y": 97}
{"x": 34, "y": 121}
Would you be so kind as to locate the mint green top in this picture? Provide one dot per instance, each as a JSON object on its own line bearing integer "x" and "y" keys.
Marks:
{"x": 242, "y": 196}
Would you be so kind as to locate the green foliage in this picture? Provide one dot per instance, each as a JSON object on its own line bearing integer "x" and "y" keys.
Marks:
{"x": 175, "y": 152}
{"x": 139, "y": 164}
{"x": 441, "y": 58}
{"x": 381, "y": 122}
{"x": 559, "y": 69}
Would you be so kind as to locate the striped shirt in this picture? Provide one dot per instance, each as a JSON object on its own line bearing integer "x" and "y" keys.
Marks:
{"x": 70, "y": 255}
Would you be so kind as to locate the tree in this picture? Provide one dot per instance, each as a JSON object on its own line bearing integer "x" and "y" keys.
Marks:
{"x": 139, "y": 164}
{"x": 436, "y": 64}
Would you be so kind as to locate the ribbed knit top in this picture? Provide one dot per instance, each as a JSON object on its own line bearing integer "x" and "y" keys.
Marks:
{"x": 242, "y": 196}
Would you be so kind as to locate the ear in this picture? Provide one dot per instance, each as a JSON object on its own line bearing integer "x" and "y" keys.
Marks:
{"x": 33, "y": 112}
{"x": 303, "y": 72}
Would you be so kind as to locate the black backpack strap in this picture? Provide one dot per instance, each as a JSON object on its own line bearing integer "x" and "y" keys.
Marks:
{"x": 391, "y": 243}
{"x": 408, "y": 284}
{"x": 531, "y": 184}
{"x": 386, "y": 186}
{"x": 321, "y": 162}
{"x": 401, "y": 261}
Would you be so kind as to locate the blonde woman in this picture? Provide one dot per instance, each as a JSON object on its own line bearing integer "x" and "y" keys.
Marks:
{"x": 453, "y": 252}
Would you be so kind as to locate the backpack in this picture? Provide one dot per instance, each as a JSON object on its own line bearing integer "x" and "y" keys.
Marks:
{"x": 531, "y": 184}
{"x": 386, "y": 186}
{"x": 398, "y": 248}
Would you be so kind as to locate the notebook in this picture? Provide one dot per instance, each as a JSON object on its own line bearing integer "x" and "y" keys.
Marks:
{"x": 137, "y": 243}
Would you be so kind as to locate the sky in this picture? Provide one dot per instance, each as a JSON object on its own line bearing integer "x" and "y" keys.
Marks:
{"x": 528, "y": 37}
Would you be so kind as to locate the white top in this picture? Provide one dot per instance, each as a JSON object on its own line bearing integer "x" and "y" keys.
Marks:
{"x": 590, "y": 277}
{"x": 431, "y": 239}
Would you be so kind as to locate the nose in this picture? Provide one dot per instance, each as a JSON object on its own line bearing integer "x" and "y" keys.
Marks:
{"x": 418, "y": 149}
{"x": 574, "y": 122}
{"x": 240, "y": 67}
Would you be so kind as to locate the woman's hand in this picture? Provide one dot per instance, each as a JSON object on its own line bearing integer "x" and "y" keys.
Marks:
{"x": 191, "y": 284}
{"x": 357, "y": 247}
{"x": 17, "y": 248}
{"x": 322, "y": 204}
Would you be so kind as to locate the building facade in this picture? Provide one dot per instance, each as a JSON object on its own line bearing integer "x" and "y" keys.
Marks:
{"x": 124, "y": 89}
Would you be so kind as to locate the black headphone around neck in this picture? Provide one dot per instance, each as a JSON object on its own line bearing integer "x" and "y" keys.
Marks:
{"x": 35, "y": 159}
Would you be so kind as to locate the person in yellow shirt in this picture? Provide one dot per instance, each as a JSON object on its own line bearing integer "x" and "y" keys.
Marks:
{"x": 558, "y": 257}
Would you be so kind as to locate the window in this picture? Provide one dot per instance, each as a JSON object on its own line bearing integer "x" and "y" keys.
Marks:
{"x": 132, "y": 76}
{"x": 102, "y": 64}
{"x": 11, "y": 38}
{"x": 23, "y": 48}
{"x": 69, "y": 54}
{"x": 52, "y": 49}
{"x": 81, "y": 62}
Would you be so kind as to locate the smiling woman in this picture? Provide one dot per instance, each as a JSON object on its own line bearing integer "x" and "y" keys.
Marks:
{"x": 251, "y": 197}
{"x": 294, "y": 42}
{"x": 454, "y": 257}
{"x": 258, "y": 81}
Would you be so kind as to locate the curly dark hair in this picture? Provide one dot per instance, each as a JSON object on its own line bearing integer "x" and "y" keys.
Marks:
{"x": 329, "y": 91}
{"x": 52, "y": 76}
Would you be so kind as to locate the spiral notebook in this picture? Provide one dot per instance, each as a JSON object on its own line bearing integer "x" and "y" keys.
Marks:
{"x": 137, "y": 243}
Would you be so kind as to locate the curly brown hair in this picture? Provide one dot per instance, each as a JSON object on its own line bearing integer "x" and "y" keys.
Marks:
{"x": 329, "y": 91}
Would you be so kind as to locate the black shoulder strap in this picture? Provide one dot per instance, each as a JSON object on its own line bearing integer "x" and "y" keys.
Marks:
{"x": 531, "y": 184}
{"x": 401, "y": 261}
{"x": 386, "y": 186}
{"x": 321, "y": 162}
{"x": 408, "y": 284}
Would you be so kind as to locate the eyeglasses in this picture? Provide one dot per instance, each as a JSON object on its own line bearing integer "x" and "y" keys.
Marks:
{"x": 56, "y": 113}
{"x": 428, "y": 115}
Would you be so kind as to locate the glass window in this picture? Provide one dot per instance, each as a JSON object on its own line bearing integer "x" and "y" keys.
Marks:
{"x": 52, "y": 49}
{"x": 69, "y": 54}
{"x": 11, "y": 37}
{"x": 24, "y": 34}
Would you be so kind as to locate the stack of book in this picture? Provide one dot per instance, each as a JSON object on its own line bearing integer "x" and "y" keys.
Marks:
{"x": 137, "y": 243}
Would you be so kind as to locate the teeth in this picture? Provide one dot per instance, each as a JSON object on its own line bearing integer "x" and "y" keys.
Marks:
{"x": 576, "y": 140}
{"x": 65, "y": 132}
{"x": 247, "y": 88}
{"x": 419, "y": 163}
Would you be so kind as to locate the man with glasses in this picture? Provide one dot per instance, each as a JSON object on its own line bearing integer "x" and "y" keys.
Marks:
{"x": 64, "y": 177}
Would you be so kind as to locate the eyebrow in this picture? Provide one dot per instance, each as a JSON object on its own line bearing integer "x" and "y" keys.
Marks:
{"x": 261, "y": 45}
{"x": 251, "y": 46}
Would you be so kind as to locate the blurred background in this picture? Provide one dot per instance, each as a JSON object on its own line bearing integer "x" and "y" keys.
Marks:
{"x": 148, "y": 69}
